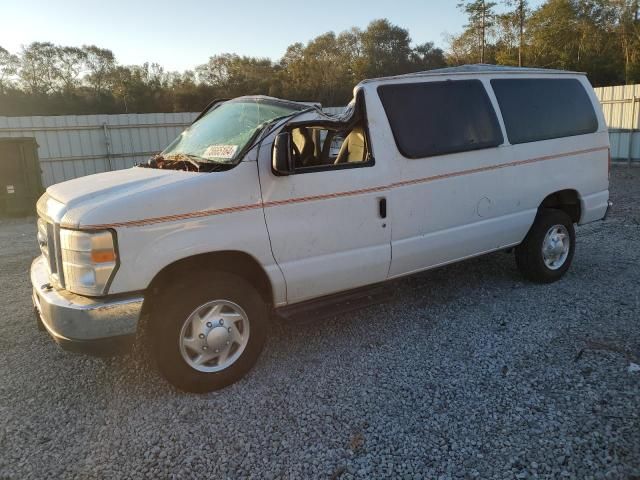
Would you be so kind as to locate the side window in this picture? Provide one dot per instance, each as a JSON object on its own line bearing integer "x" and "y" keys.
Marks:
{"x": 321, "y": 148}
{"x": 438, "y": 118}
{"x": 541, "y": 109}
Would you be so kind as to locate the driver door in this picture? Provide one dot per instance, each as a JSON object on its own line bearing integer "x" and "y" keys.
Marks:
{"x": 327, "y": 221}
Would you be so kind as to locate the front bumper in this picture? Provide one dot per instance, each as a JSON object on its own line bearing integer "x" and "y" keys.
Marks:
{"x": 97, "y": 326}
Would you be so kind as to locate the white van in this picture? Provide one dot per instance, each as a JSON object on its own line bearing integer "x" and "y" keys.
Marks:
{"x": 267, "y": 206}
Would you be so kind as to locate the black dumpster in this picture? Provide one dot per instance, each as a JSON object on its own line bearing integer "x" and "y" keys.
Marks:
{"x": 20, "y": 176}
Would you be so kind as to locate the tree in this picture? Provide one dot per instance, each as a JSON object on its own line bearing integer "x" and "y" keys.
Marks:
{"x": 577, "y": 35}
{"x": 518, "y": 17}
{"x": 319, "y": 71}
{"x": 292, "y": 71}
{"x": 481, "y": 17}
{"x": 353, "y": 54}
{"x": 39, "y": 70}
{"x": 216, "y": 71}
{"x": 100, "y": 64}
{"x": 386, "y": 48}
{"x": 463, "y": 49}
{"x": 628, "y": 26}
{"x": 327, "y": 67}
{"x": 427, "y": 57}
{"x": 71, "y": 61}
{"x": 233, "y": 75}
{"x": 119, "y": 85}
{"x": 8, "y": 68}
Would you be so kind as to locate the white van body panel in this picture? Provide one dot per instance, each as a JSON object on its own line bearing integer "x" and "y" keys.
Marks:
{"x": 594, "y": 207}
{"x": 451, "y": 207}
{"x": 325, "y": 229}
{"x": 440, "y": 213}
{"x": 162, "y": 216}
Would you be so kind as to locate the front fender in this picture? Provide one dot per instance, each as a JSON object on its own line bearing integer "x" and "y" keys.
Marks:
{"x": 163, "y": 245}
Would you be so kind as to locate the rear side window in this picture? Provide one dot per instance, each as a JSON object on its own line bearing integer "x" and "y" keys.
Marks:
{"x": 437, "y": 118}
{"x": 542, "y": 109}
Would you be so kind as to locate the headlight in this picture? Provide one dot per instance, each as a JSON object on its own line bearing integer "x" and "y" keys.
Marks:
{"x": 89, "y": 259}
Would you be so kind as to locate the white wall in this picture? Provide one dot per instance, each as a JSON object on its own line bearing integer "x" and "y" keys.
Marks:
{"x": 621, "y": 106}
{"x": 71, "y": 146}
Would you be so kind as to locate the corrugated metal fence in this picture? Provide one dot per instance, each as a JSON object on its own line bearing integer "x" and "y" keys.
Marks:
{"x": 72, "y": 146}
{"x": 621, "y": 106}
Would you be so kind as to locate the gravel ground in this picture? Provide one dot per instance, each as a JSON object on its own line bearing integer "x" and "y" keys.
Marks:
{"x": 467, "y": 372}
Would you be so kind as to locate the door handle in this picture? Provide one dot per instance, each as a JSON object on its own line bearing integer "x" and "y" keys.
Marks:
{"x": 382, "y": 207}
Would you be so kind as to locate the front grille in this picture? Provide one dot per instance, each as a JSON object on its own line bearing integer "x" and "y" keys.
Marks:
{"x": 44, "y": 238}
{"x": 51, "y": 250}
{"x": 49, "y": 237}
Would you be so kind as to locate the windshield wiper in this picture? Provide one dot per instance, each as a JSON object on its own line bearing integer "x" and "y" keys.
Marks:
{"x": 185, "y": 161}
{"x": 185, "y": 157}
{"x": 161, "y": 162}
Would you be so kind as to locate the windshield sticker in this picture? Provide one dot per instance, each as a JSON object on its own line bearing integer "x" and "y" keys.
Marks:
{"x": 220, "y": 151}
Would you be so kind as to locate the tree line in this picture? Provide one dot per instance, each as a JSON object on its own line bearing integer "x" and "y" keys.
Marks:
{"x": 45, "y": 79}
{"x": 600, "y": 37}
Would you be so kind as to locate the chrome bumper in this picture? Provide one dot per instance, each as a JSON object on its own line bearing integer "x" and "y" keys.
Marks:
{"x": 89, "y": 325}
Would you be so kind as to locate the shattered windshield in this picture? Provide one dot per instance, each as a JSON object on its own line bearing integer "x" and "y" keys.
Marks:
{"x": 224, "y": 132}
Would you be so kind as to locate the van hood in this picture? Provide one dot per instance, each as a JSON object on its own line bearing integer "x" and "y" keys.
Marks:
{"x": 102, "y": 187}
{"x": 105, "y": 199}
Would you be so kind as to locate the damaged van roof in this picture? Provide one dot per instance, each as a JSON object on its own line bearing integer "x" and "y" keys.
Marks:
{"x": 474, "y": 69}
{"x": 268, "y": 99}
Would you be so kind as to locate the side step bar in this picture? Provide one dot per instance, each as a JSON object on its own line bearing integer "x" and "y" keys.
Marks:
{"x": 337, "y": 303}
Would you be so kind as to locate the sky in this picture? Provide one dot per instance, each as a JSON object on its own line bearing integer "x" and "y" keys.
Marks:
{"x": 182, "y": 34}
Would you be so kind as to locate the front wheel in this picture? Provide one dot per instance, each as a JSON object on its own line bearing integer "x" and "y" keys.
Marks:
{"x": 547, "y": 251}
{"x": 207, "y": 332}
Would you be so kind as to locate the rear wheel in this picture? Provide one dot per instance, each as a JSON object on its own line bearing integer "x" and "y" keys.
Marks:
{"x": 208, "y": 332}
{"x": 547, "y": 251}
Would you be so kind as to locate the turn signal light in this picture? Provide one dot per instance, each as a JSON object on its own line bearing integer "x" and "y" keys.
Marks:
{"x": 103, "y": 256}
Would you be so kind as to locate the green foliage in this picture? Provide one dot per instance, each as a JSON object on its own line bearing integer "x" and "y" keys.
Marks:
{"x": 48, "y": 79}
{"x": 577, "y": 35}
{"x": 481, "y": 15}
{"x": 511, "y": 26}
{"x": 8, "y": 68}
{"x": 600, "y": 37}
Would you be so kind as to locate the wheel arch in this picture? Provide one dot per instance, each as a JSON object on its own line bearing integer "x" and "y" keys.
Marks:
{"x": 567, "y": 200}
{"x": 229, "y": 261}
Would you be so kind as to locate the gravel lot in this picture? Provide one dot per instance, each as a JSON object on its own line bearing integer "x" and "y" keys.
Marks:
{"x": 468, "y": 372}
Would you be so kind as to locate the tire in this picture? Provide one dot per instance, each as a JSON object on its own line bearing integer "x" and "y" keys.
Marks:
{"x": 532, "y": 262}
{"x": 192, "y": 320}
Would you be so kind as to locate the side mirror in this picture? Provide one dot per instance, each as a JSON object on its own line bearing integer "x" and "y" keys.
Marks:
{"x": 281, "y": 159}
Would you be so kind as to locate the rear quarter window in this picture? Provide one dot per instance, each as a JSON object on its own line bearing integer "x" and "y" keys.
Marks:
{"x": 437, "y": 118}
{"x": 543, "y": 109}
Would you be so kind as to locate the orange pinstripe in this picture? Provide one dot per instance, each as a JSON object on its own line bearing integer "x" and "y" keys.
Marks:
{"x": 276, "y": 203}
